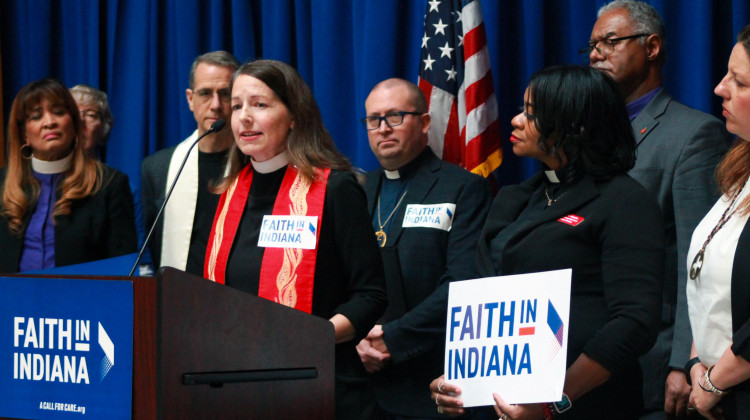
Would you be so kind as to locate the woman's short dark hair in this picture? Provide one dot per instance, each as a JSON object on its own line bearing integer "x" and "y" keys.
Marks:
{"x": 581, "y": 112}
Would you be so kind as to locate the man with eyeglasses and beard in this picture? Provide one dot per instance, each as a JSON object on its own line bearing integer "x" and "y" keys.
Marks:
{"x": 678, "y": 151}
{"x": 427, "y": 215}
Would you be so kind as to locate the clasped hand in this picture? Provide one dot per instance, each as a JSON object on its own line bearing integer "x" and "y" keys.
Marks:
{"x": 372, "y": 350}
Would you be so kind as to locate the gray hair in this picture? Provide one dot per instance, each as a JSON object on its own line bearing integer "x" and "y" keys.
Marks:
{"x": 214, "y": 58}
{"x": 643, "y": 18}
{"x": 91, "y": 96}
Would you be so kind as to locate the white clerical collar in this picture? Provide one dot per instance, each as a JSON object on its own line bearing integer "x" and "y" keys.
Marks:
{"x": 552, "y": 176}
{"x": 392, "y": 174}
{"x": 271, "y": 165}
{"x": 53, "y": 166}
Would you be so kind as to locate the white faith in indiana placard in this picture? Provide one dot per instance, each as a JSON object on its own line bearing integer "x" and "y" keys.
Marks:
{"x": 508, "y": 334}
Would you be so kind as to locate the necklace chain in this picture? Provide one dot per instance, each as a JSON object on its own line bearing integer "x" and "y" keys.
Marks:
{"x": 551, "y": 200}
{"x": 697, "y": 264}
{"x": 380, "y": 234}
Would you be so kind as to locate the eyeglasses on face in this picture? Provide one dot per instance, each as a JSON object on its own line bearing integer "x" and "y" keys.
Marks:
{"x": 392, "y": 119}
{"x": 91, "y": 115}
{"x": 606, "y": 47}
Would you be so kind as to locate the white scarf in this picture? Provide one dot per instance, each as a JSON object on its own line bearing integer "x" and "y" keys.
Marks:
{"x": 180, "y": 210}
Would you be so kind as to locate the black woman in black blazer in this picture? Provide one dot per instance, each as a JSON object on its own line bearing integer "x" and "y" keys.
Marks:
{"x": 584, "y": 212}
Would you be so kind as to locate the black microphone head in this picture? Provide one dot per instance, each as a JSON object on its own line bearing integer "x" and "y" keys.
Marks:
{"x": 217, "y": 125}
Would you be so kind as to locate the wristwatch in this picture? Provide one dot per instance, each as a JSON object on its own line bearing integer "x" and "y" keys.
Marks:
{"x": 688, "y": 366}
{"x": 563, "y": 405}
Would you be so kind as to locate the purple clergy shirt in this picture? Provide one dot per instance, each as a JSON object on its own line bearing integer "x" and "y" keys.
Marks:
{"x": 39, "y": 239}
{"x": 635, "y": 107}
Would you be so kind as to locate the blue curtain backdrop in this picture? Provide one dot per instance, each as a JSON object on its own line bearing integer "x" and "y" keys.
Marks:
{"x": 140, "y": 52}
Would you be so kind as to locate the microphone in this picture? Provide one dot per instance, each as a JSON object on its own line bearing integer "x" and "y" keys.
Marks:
{"x": 215, "y": 127}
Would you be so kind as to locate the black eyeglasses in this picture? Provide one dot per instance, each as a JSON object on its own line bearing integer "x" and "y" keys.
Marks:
{"x": 607, "y": 45}
{"x": 91, "y": 115}
{"x": 392, "y": 119}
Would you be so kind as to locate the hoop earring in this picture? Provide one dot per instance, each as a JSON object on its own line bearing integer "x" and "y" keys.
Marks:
{"x": 26, "y": 151}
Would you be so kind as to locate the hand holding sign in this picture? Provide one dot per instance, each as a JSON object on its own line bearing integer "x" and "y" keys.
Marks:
{"x": 508, "y": 335}
{"x": 447, "y": 397}
{"x": 517, "y": 411}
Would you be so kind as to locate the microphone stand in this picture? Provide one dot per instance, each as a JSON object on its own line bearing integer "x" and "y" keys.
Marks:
{"x": 215, "y": 127}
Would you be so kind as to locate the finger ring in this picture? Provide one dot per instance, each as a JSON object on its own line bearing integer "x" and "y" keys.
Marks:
{"x": 440, "y": 386}
{"x": 440, "y": 409}
{"x": 436, "y": 400}
{"x": 503, "y": 417}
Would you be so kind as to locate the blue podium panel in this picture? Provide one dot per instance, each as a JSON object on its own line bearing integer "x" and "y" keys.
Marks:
{"x": 66, "y": 348}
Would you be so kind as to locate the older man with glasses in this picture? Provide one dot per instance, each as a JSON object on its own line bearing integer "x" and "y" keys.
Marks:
{"x": 97, "y": 119}
{"x": 181, "y": 234}
{"x": 678, "y": 150}
{"x": 427, "y": 215}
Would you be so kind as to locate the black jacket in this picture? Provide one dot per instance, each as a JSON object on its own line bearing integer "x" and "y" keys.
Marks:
{"x": 99, "y": 226}
{"x": 617, "y": 257}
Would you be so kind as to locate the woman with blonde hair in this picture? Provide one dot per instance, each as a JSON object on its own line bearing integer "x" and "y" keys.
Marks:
{"x": 59, "y": 206}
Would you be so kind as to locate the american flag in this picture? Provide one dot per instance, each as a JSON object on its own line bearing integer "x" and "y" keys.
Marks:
{"x": 455, "y": 77}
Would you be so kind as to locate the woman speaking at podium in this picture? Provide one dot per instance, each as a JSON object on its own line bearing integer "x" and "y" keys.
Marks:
{"x": 292, "y": 223}
{"x": 59, "y": 206}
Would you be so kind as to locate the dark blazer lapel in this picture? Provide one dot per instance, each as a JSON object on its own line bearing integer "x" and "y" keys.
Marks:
{"x": 16, "y": 243}
{"x": 372, "y": 186}
{"x": 740, "y": 285}
{"x": 515, "y": 199}
{"x": 573, "y": 198}
{"x": 648, "y": 119}
{"x": 419, "y": 186}
{"x": 506, "y": 207}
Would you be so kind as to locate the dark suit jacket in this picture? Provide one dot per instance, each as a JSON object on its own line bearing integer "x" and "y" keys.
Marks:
{"x": 740, "y": 395}
{"x": 678, "y": 150}
{"x": 617, "y": 257}
{"x": 154, "y": 170}
{"x": 429, "y": 259}
{"x": 99, "y": 226}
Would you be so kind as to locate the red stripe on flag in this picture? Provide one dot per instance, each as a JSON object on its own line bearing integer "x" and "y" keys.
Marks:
{"x": 446, "y": 74}
{"x": 453, "y": 148}
{"x": 483, "y": 145}
{"x": 527, "y": 331}
{"x": 426, "y": 88}
{"x": 479, "y": 92}
{"x": 474, "y": 41}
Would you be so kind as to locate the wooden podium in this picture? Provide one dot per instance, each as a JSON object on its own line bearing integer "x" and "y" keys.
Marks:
{"x": 204, "y": 350}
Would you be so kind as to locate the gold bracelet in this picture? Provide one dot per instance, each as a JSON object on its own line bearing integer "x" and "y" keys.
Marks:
{"x": 708, "y": 386}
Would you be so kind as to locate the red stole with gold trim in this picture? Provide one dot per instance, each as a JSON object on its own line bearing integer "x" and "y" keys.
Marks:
{"x": 287, "y": 274}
